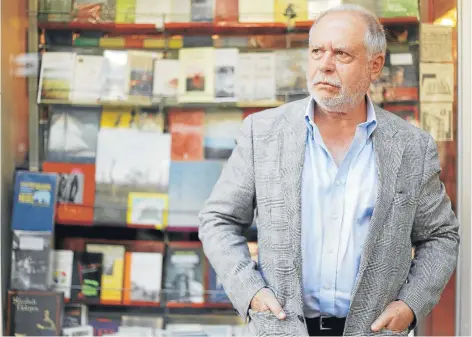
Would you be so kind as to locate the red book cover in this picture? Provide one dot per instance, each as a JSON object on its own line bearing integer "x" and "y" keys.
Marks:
{"x": 226, "y": 11}
{"x": 187, "y": 130}
{"x": 76, "y": 192}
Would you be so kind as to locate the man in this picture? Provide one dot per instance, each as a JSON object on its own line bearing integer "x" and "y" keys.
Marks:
{"x": 343, "y": 191}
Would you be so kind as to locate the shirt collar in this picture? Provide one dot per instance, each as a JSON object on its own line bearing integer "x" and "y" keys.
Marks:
{"x": 369, "y": 125}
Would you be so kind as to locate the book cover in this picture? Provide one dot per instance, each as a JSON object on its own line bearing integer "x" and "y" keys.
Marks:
{"x": 93, "y": 11}
{"x": 125, "y": 11}
{"x": 140, "y": 76}
{"x": 196, "y": 80}
{"x": 73, "y": 134}
{"x": 42, "y": 311}
{"x": 148, "y": 209}
{"x": 398, "y": 8}
{"x": 113, "y": 271}
{"x": 222, "y": 127}
{"x": 180, "y": 11}
{"x": 185, "y": 268}
{"x": 129, "y": 161}
{"x": 187, "y": 129}
{"x": 104, "y": 325}
{"x": 34, "y": 200}
{"x": 87, "y": 277}
{"x": 151, "y": 11}
{"x": 166, "y": 79}
{"x": 56, "y": 76}
{"x": 76, "y": 192}
{"x": 436, "y": 82}
{"x": 226, "y": 10}
{"x": 114, "y": 76}
{"x": 226, "y": 60}
{"x": 75, "y": 315}
{"x": 190, "y": 184}
{"x": 289, "y": 11}
{"x": 56, "y": 10}
{"x": 260, "y": 11}
{"x": 87, "y": 78}
{"x": 143, "y": 277}
{"x": 63, "y": 262}
{"x": 291, "y": 65}
{"x": 202, "y": 10}
{"x": 31, "y": 260}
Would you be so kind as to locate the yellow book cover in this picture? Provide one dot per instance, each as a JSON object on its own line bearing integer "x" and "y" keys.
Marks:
{"x": 125, "y": 11}
{"x": 112, "y": 42}
{"x": 113, "y": 271}
{"x": 148, "y": 209}
{"x": 116, "y": 117}
{"x": 291, "y": 10}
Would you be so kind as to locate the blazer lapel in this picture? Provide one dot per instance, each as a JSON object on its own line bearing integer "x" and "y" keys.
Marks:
{"x": 388, "y": 154}
{"x": 292, "y": 140}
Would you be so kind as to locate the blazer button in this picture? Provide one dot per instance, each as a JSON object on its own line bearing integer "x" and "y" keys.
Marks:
{"x": 300, "y": 318}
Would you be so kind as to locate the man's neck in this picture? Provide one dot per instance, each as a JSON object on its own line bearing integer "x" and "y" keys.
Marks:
{"x": 346, "y": 119}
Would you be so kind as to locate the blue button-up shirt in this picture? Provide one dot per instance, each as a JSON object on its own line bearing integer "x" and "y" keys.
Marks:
{"x": 337, "y": 204}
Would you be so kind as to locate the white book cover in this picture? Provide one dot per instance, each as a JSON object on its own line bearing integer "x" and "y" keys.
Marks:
{"x": 256, "y": 11}
{"x": 315, "y": 7}
{"x": 245, "y": 84}
{"x": 265, "y": 77}
{"x": 63, "y": 261}
{"x": 436, "y": 119}
{"x": 226, "y": 60}
{"x": 115, "y": 76}
{"x": 291, "y": 65}
{"x": 133, "y": 157}
{"x": 87, "y": 80}
{"x": 86, "y": 330}
{"x": 152, "y": 11}
{"x": 196, "y": 80}
{"x": 56, "y": 76}
{"x": 256, "y": 77}
{"x": 146, "y": 276}
{"x": 436, "y": 82}
{"x": 202, "y": 10}
{"x": 181, "y": 11}
{"x": 166, "y": 78}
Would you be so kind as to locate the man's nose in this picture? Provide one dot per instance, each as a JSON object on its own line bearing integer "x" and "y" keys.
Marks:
{"x": 328, "y": 63}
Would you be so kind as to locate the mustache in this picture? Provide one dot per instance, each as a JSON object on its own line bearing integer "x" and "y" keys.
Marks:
{"x": 333, "y": 82}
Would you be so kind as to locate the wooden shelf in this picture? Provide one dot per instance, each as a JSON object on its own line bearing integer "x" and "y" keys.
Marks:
{"x": 199, "y": 28}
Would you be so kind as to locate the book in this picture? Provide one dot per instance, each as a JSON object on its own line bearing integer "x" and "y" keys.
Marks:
{"x": 87, "y": 277}
{"x": 34, "y": 313}
{"x": 202, "y": 10}
{"x": 260, "y": 11}
{"x": 87, "y": 78}
{"x": 104, "y": 324}
{"x": 34, "y": 200}
{"x": 113, "y": 271}
{"x": 226, "y": 60}
{"x": 196, "y": 80}
{"x": 140, "y": 76}
{"x": 114, "y": 75}
{"x": 31, "y": 260}
{"x": 222, "y": 127}
{"x": 75, "y": 315}
{"x": 289, "y": 11}
{"x": 143, "y": 277}
{"x": 185, "y": 268}
{"x": 63, "y": 263}
{"x": 166, "y": 79}
{"x": 186, "y": 128}
{"x": 76, "y": 192}
{"x": 125, "y": 11}
{"x": 190, "y": 184}
{"x": 129, "y": 161}
{"x": 56, "y": 76}
{"x": 73, "y": 134}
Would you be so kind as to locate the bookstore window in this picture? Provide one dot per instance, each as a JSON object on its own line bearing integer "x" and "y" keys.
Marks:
{"x": 125, "y": 115}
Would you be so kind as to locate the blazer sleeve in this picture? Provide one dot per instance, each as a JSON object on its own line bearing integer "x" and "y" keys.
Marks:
{"x": 435, "y": 236}
{"x": 227, "y": 213}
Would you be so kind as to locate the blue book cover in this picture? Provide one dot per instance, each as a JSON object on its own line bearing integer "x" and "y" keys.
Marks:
{"x": 34, "y": 201}
{"x": 190, "y": 185}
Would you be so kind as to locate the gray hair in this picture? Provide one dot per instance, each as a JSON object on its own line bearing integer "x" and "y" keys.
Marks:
{"x": 375, "y": 40}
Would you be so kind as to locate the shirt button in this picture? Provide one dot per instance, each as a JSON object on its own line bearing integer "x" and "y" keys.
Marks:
{"x": 326, "y": 286}
{"x": 330, "y": 251}
{"x": 338, "y": 183}
{"x": 334, "y": 216}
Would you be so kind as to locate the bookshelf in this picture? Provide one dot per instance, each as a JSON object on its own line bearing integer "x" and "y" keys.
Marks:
{"x": 168, "y": 38}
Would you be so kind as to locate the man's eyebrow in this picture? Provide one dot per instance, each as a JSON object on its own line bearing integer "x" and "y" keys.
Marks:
{"x": 314, "y": 45}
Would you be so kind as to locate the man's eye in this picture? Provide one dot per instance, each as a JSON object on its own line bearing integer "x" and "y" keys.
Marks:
{"x": 341, "y": 53}
{"x": 315, "y": 51}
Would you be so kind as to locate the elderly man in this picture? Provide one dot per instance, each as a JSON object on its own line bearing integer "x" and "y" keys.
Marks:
{"x": 343, "y": 191}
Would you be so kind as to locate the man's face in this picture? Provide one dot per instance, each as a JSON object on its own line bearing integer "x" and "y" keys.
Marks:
{"x": 339, "y": 70}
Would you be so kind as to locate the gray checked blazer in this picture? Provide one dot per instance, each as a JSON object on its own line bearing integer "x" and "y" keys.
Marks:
{"x": 264, "y": 174}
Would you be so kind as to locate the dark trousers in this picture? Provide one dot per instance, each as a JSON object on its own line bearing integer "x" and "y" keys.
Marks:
{"x": 328, "y": 327}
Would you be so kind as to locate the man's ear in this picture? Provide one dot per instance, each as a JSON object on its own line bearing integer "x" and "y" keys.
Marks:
{"x": 376, "y": 66}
